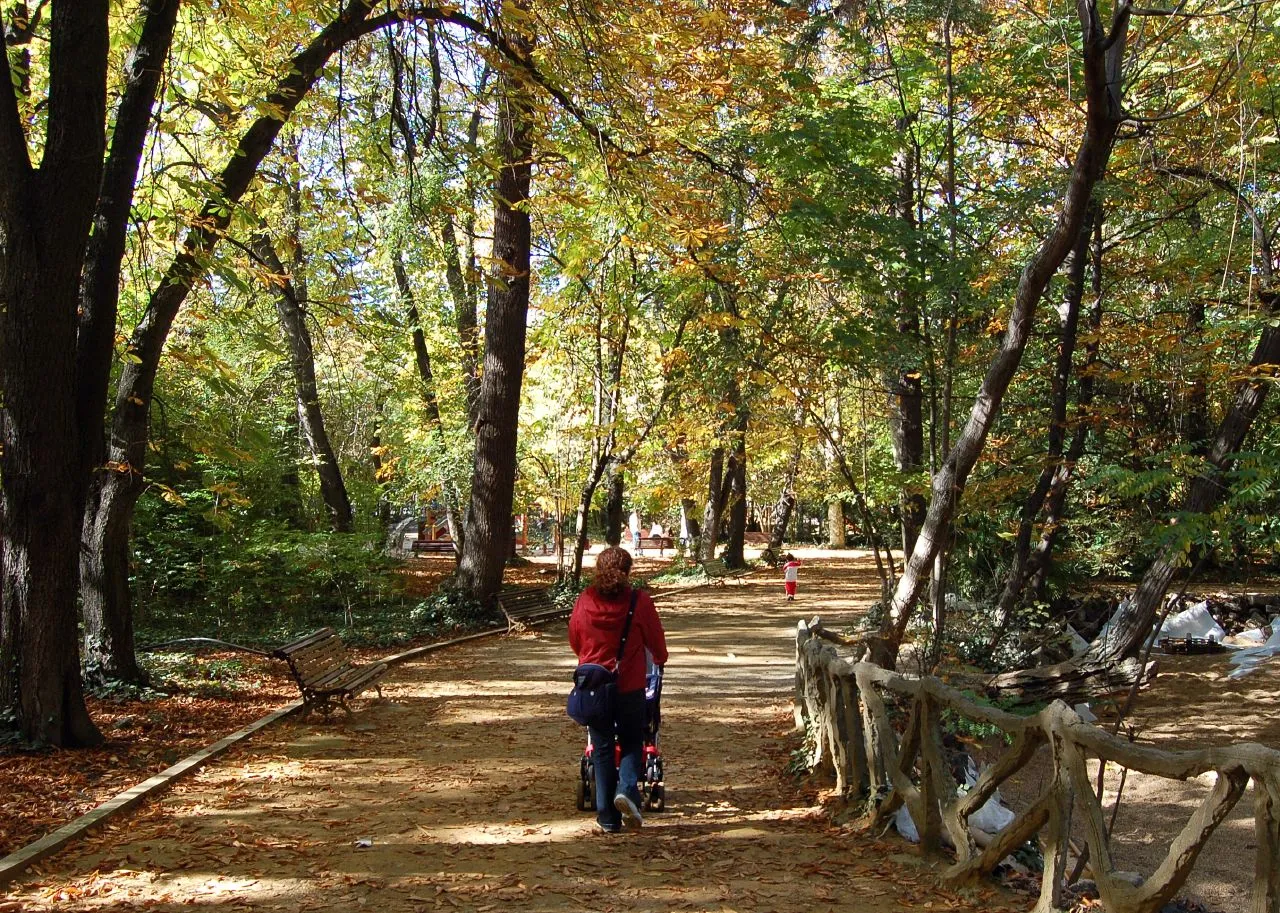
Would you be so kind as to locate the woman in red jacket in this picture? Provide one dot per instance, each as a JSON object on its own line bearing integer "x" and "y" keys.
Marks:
{"x": 595, "y": 630}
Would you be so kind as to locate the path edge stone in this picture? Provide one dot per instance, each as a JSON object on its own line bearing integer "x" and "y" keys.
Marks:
{"x": 19, "y": 861}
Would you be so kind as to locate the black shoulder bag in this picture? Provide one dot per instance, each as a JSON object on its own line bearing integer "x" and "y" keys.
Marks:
{"x": 595, "y": 687}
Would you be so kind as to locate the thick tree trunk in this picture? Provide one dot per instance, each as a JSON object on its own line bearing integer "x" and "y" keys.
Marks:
{"x": 1103, "y": 55}
{"x": 614, "y": 505}
{"x": 45, "y": 218}
{"x": 493, "y": 476}
{"x": 104, "y": 582}
{"x": 835, "y": 524}
{"x": 1069, "y": 321}
{"x": 289, "y": 291}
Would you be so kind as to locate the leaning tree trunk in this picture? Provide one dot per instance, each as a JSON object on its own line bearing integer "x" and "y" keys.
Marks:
{"x": 1103, "y": 56}
{"x": 45, "y": 218}
{"x": 117, "y": 481}
{"x": 289, "y": 290}
{"x": 488, "y": 538}
{"x": 1069, "y": 321}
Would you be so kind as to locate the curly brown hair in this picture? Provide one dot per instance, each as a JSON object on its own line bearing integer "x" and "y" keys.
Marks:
{"x": 613, "y": 567}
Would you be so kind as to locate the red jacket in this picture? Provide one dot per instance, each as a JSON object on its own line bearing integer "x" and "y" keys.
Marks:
{"x": 595, "y": 627}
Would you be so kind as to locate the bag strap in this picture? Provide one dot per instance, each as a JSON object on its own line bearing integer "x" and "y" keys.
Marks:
{"x": 626, "y": 631}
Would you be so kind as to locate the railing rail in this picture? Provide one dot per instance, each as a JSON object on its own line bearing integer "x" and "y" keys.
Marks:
{"x": 855, "y": 740}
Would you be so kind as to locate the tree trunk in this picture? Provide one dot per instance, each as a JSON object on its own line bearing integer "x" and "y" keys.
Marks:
{"x": 1039, "y": 562}
{"x": 906, "y": 392}
{"x": 1103, "y": 55}
{"x": 711, "y": 513}
{"x": 104, "y": 583}
{"x": 737, "y": 483}
{"x": 45, "y": 219}
{"x": 787, "y": 500}
{"x": 493, "y": 475}
{"x": 1072, "y": 681}
{"x": 430, "y": 399}
{"x": 1069, "y": 320}
{"x": 289, "y": 290}
{"x": 116, "y": 481}
{"x": 835, "y": 524}
{"x": 614, "y": 506}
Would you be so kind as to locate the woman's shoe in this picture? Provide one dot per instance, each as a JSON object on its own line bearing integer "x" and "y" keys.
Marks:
{"x": 631, "y": 816}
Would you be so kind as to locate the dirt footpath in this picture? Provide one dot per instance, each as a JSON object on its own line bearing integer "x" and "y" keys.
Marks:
{"x": 463, "y": 783}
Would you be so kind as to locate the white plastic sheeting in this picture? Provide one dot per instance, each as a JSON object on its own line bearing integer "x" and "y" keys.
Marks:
{"x": 1250, "y": 658}
{"x": 993, "y": 817}
{"x": 1193, "y": 622}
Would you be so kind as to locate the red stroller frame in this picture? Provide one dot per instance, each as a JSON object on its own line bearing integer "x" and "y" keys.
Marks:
{"x": 652, "y": 789}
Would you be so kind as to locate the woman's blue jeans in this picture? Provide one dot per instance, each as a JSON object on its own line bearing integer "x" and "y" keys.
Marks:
{"x": 628, "y": 725}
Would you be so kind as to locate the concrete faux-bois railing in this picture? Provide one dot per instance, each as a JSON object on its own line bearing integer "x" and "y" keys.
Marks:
{"x": 844, "y": 705}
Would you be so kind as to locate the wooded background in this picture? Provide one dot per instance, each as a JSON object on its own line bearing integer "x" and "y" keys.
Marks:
{"x": 989, "y": 286}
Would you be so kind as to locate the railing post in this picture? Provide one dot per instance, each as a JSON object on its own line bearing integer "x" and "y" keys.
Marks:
{"x": 1266, "y": 879}
{"x": 1057, "y": 828}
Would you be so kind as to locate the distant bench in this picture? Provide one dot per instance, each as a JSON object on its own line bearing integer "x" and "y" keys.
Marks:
{"x": 527, "y": 604}
{"x": 661, "y": 543}
{"x": 324, "y": 672}
{"x": 756, "y": 538}
{"x": 717, "y": 572}
{"x": 432, "y": 546}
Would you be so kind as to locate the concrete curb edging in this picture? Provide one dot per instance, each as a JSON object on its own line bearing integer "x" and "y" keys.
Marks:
{"x": 15, "y": 863}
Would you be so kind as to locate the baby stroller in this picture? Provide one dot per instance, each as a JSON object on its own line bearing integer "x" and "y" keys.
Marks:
{"x": 651, "y": 785}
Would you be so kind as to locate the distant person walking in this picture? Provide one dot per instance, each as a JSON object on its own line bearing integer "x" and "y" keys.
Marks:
{"x": 595, "y": 630}
{"x": 790, "y": 575}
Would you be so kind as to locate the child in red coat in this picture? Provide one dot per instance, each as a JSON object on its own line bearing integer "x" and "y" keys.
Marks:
{"x": 790, "y": 575}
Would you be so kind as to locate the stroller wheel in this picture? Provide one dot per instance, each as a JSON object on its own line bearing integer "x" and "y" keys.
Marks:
{"x": 582, "y": 795}
{"x": 657, "y": 798}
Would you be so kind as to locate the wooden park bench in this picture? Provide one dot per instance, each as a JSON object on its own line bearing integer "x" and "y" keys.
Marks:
{"x": 324, "y": 672}
{"x": 527, "y": 604}
{"x": 756, "y": 538}
{"x": 717, "y": 572}
{"x": 432, "y": 546}
{"x": 661, "y": 543}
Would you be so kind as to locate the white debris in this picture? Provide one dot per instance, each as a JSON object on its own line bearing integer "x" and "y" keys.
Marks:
{"x": 1085, "y": 712}
{"x": 1078, "y": 644}
{"x": 993, "y": 817}
{"x": 1249, "y": 659}
{"x": 906, "y": 827}
{"x": 1193, "y": 622}
{"x": 1250, "y": 637}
